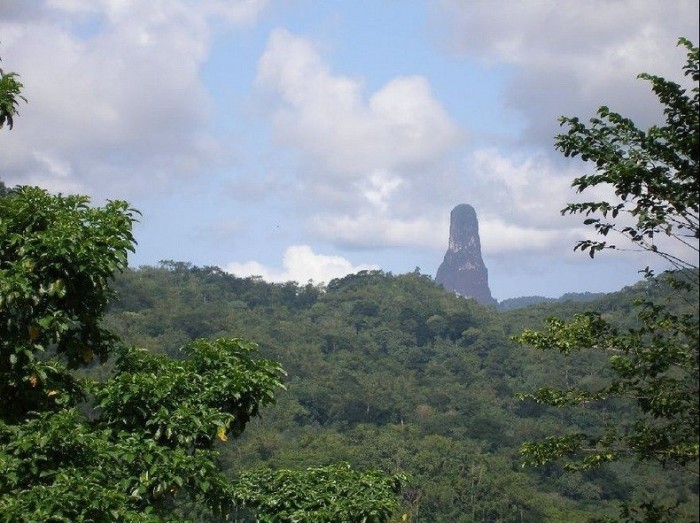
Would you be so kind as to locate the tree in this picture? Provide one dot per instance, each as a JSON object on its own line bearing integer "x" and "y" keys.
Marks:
{"x": 10, "y": 95}
{"x": 278, "y": 498}
{"x": 654, "y": 173}
{"x": 126, "y": 459}
{"x": 654, "y": 364}
{"x": 57, "y": 256}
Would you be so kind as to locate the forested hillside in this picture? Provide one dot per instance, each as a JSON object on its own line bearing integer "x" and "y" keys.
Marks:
{"x": 393, "y": 372}
{"x": 377, "y": 398}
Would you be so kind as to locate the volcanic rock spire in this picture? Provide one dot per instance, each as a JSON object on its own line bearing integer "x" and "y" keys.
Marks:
{"x": 463, "y": 270}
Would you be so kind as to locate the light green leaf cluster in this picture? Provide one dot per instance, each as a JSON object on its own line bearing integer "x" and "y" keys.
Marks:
{"x": 319, "y": 495}
{"x": 215, "y": 389}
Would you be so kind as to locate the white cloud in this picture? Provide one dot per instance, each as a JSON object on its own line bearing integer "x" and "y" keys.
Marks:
{"x": 236, "y": 12}
{"x": 378, "y": 188}
{"x": 301, "y": 264}
{"x": 114, "y": 90}
{"x": 375, "y": 166}
{"x": 376, "y": 229}
{"x": 518, "y": 202}
{"x": 501, "y": 238}
{"x": 561, "y": 59}
{"x": 530, "y": 189}
{"x": 339, "y": 129}
{"x": 569, "y": 58}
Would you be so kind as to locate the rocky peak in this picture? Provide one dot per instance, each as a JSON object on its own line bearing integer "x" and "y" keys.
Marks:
{"x": 463, "y": 270}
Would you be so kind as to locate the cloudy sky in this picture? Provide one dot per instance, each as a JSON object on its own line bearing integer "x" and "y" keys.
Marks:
{"x": 300, "y": 139}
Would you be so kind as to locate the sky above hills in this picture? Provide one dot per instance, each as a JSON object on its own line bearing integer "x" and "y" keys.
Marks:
{"x": 305, "y": 140}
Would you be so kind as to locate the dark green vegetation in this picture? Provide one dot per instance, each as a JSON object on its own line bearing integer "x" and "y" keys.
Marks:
{"x": 141, "y": 443}
{"x": 392, "y": 372}
{"x": 526, "y": 301}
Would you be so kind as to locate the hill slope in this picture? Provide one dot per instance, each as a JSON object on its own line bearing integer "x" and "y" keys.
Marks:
{"x": 393, "y": 372}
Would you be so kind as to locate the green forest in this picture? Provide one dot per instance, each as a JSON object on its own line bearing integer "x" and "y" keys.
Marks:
{"x": 391, "y": 371}
{"x": 185, "y": 393}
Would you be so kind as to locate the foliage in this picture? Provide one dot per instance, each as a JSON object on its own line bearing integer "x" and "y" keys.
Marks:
{"x": 654, "y": 173}
{"x": 187, "y": 403}
{"x": 145, "y": 442}
{"x": 10, "y": 89}
{"x": 360, "y": 388}
{"x": 312, "y": 495}
{"x": 57, "y": 256}
{"x": 60, "y": 467}
{"x": 654, "y": 362}
{"x": 152, "y": 436}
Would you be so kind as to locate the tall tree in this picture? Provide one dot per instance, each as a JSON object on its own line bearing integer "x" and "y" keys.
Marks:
{"x": 655, "y": 364}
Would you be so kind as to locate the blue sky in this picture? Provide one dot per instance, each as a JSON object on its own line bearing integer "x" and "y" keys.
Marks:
{"x": 307, "y": 139}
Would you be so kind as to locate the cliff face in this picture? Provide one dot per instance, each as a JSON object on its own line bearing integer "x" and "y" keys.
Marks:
{"x": 463, "y": 270}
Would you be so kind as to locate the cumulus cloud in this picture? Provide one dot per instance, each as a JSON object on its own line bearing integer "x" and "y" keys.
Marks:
{"x": 376, "y": 168}
{"x": 330, "y": 119}
{"x": 569, "y": 58}
{"x": 500, "y": 237}
{"x": 114, "y": 89}
{"x": 301, "y": 264}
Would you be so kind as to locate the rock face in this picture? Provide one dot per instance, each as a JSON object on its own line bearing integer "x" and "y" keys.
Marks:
{"x": 463, "y": 270}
